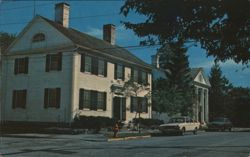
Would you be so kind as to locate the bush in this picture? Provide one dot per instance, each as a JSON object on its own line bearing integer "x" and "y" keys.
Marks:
{"x": 91, "y": 122}
{"x": 149, "y": 123}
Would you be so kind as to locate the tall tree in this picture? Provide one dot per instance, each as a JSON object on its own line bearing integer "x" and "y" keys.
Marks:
{"x": 174, "y": 62}
{"x": 220, "y": 87}
{"x": 5, "y": 40}
{"x": 222, "y": 27}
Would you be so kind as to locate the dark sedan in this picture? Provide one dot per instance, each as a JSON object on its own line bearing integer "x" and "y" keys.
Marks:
{"x": 220, "y": 124}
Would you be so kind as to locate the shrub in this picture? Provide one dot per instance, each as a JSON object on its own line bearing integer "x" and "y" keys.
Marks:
{"x": 91, "y": 122}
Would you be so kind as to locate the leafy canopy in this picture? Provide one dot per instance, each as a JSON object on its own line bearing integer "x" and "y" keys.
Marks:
{"x": 221, "y": 27}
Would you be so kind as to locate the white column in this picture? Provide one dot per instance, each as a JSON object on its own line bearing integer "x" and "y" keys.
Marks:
{"x": 197, "y": 104}
{"x": 202, "y": 105}
{"x": 206, "y": 107}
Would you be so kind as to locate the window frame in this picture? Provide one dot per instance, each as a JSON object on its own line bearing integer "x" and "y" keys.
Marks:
{"x": 21, "y": 65}
{"x": 53, "y": 62}
{"x": 52, "y": 98}
{"x": 39, "y": 37}
{"x": 19, "y": 99}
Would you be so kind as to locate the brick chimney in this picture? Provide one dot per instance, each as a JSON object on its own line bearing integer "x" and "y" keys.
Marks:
{"x": 62, "y": 14}
{"x": 109, "y": 33}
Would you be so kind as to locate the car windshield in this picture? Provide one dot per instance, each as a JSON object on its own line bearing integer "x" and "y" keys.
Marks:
{"x": 177, "y": 120}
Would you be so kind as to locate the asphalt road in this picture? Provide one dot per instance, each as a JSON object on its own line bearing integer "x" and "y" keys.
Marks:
{"x": 205, "y": 144}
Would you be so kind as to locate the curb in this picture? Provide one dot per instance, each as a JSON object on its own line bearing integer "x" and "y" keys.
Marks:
{"x": 128, "y": 138}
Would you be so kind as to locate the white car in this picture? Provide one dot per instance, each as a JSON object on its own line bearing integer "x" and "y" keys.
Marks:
{"x": 180, "y": 125}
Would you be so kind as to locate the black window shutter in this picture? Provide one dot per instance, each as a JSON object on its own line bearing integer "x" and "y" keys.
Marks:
{"x": 105, "y": 68}
{"x": 58, "y": 97}
{"x": 139, "y": 109}
{"x": 123, "y": 72}
{"x": 59, "y": 68}
{"x": 25, "y": 99}
{"x": 123, "y": 108}
{"x": 139, "y": 76}
{"x": 93, "y": 100}
{"x": 132, "y": 74}
{"x": 131, "y": 104}
{"x": 146, "y": 105}
{"x": 14, "y": 99}
{"x": 26, "y": 65}
{"x": 81, "y": 96}
{"x": 82, "y": 62}
{"x": 16, "y": 66}
{"x": 46, "y": 98}
{"x": 147, "y": 82}
{"x": 47, "y": 63}
{"x": 104, "y": 101}
{"x": 115, "y": 72}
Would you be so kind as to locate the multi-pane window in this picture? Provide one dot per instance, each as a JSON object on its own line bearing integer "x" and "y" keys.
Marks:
{"x": 54, "y": 62}
{"x": 101, "y": 100}
{"x": 38, "y": 37}
{"x": 119, "y": 71}
{"x": 144, "y": 78}
{"x": 21, "y": 65}
{"x": 93, "y": 100}
{"x": 135, "y": 75}
{"x": 52, "y": 97}
{"x": 101, "y": 67}
{"x": 88, "y": 64}
{"x": 139, "y": 104}
{"x": 19, "y": 98}
{"x": 93, "y": 65}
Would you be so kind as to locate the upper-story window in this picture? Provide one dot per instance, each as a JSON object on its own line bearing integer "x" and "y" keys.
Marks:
{"x": 38, "y": 37}
{"x": 135, "y": 75}
{"x": 139, "y": 76}
{"x": 119, "y": 71}
{"x": 21, "y": 65}
{"x": 144, "y": 78}
{"x": 93, "y": 65}
{"x": 54, "y": 62}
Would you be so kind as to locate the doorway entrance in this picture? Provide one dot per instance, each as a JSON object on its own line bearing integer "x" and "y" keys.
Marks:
{"x": 119, "y": 108}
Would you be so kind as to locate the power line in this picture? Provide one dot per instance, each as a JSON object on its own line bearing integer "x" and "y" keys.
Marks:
{"x": 27, "y": 6}
{"x": 72, "y": 18}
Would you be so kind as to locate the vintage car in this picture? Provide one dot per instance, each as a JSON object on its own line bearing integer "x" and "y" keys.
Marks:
{"x": 220, "y": 124}
{"x": 180, "y": 125}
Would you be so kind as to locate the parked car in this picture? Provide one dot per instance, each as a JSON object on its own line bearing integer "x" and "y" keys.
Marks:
{"x": 220, "y": 124}
{"x": 180, "y": 125}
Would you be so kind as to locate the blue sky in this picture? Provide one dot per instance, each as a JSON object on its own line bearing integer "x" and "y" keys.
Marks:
{"x": 89, "y": 16}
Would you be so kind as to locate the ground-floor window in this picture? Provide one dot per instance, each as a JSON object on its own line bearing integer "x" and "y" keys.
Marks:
{"x": 139, "y": 104}
{"x": 93, "y": 100}
{"x": 19, "y": 98}
{"x": 52, "y": 97}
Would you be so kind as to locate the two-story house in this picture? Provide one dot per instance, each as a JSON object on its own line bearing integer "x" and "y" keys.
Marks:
{"x": 52, "y": 72}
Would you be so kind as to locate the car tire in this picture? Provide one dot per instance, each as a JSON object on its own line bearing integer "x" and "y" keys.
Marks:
{"x": 195, "y": 131}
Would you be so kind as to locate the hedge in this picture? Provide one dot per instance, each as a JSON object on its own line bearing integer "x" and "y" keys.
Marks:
{"x": 148, "y": 122}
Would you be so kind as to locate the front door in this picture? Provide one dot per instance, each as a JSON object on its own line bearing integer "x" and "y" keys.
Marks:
{"x": 119, "y": 108}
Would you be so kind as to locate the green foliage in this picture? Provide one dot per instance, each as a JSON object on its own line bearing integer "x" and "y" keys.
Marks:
{"x": 174, "y": 95}
{"x": 5, "y": 40}
{"x": 91, "y": 122}
{"x": 220, "y": 26}
{"x": 218, "y": 93}
{"x": 238, "y": 109}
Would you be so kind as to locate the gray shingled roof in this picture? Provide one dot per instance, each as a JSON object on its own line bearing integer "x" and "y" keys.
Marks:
{"x": 86, "y": 40}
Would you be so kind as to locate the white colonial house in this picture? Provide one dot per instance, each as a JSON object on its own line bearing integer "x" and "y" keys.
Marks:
{"x": 201, "y": 86}
{"x": 52, "y": 72}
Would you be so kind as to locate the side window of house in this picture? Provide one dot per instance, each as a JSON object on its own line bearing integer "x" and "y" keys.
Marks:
{"x": 134, "y": 75}
{"x": 38, "y": 37}
{"x": 144, "y": 77}
{"x": 139, "y": 104}
{"x": 92, "y": 100}
{"x": 21, "y": 65}
{"x": 19, "y": 99}
{"x": 93, "y": 65}
{"x": 119, "y": 71}
{"x": 54, "y": 62}
{"x": 52, "y": 97}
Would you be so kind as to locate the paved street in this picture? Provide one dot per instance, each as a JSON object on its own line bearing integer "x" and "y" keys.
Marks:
{"x": 205, "y": 144}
